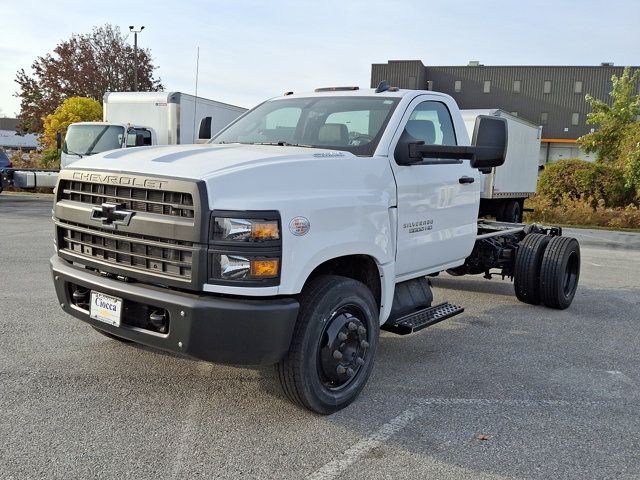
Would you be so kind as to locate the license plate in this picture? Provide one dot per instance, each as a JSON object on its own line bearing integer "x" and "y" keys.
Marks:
{"x": 106, "y": 308}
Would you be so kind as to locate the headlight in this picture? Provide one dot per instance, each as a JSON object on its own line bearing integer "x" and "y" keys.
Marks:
{"x": 245, "y": 248}
{"x": 245, "y": 230}
{"x": 246, "y": 267}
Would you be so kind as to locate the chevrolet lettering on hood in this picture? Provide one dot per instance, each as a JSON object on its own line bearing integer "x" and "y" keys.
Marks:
{"x": 122, "y": 180}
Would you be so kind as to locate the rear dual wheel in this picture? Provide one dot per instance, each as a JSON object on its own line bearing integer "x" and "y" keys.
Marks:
{"x": 547, "y": 270}
{"x": 526, "y": 280}
{"x": 334, "y": 344}
{"x": 560, "y": 272}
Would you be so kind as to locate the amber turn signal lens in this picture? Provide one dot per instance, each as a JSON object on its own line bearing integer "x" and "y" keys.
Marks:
{"x": 265, "y": 231}
{"x": 265, "y": 268}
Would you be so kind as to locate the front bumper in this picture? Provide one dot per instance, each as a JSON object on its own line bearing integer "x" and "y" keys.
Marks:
{"x": 238, "y": 331}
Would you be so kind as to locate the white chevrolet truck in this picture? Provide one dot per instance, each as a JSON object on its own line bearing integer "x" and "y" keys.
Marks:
{"x": 295, "y": 235}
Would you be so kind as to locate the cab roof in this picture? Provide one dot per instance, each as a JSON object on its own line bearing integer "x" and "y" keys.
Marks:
{"x": 360, "y": 92}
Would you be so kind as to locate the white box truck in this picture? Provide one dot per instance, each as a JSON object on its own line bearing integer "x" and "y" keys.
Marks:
{"x": 303, "y": 229}
{"x": 147, "y": 118}
{"x": 504, "y": 189}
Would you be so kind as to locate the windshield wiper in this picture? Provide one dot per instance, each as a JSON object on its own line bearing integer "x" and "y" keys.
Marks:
{"x": 95, "y": 142}
{"x": 74, "y": 153}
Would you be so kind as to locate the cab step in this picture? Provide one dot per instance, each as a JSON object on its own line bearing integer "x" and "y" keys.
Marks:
{"x": 426, "y": 317}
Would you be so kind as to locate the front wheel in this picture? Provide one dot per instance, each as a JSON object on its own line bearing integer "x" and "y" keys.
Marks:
{"x": 334, "y": 345}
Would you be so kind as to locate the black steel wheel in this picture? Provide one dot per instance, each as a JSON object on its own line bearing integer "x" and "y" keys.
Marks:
{"x": 560, "y": 272}
{"x": 526, "y": 281}
{"x": 334, "y": 345}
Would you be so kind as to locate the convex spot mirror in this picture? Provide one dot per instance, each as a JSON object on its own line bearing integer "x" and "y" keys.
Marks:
{"x": 135, "y": 139}
{"x": 488, "y": 149}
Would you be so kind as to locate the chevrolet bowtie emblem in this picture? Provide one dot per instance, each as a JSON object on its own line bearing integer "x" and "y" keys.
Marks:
{"x": 111, "y": 214}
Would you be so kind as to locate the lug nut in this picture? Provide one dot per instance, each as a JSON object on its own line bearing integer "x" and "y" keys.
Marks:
{"x": 350, "y": 372}
{"x": 360, "y": 361}
{"x": 352, "y": 326}
{"x": 341, "y": 370}
{"x": 364, "y": 344}
{"x": 337, "y": 354}
{"x": 362, "y": 330}
{"x": 342, "y": 336}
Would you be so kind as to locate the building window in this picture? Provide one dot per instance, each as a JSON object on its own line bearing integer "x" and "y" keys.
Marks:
{"x": 457, "y": 86}
{"x": 544, "y": 118}
{"x": 575, "y": 119}
{"x": 577, "y": 87}
{"x": 487, "y": 86}
{"x": 517, "y": 84}
{"x": 515, "y": 114}
{"x": 547, "y": 86}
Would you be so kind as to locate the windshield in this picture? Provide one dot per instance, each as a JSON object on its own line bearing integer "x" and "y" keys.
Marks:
{"x": 90, "y": 139}
{"x": 353, "y": 124}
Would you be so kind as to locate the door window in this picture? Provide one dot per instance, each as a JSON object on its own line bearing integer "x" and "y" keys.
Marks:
{"x": 431, "y": 123}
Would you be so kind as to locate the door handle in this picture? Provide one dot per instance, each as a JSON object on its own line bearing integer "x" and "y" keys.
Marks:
{"x": 466, "y": 179}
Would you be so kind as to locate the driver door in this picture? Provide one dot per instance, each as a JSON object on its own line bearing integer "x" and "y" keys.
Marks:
{"x": 437, "y": 204}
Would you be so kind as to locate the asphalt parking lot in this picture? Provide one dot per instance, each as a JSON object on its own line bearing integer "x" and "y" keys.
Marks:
{"x": 505, "y": 390}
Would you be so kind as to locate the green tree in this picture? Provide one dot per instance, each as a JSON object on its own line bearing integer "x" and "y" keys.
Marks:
{"x": 86, "y": 65}
{"x": 612, "y": 120}
{"x": 73, "y": 109}
{"x": 630, "y": 157}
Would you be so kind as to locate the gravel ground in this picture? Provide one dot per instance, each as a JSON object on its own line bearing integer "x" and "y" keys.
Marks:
{"x": 505, "y": 390}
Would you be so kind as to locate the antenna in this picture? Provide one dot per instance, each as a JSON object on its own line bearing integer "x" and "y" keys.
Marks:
{"x": 195, "y": 104}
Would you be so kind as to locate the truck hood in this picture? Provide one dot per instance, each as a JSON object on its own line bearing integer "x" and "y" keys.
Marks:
{"x": 199, "y": 161}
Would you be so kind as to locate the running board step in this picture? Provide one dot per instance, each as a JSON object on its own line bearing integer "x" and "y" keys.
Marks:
{"x": 422, "y": 318}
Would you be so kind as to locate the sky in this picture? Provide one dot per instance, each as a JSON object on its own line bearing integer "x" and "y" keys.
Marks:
{"x": 251, "y": 50}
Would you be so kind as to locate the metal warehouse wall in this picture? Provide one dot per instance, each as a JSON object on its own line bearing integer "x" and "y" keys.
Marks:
{"x": 560, "y": 104}
{"x": 401, "y": 73}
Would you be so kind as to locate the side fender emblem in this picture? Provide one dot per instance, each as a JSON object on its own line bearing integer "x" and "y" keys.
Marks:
{"x": 299, "y": 226}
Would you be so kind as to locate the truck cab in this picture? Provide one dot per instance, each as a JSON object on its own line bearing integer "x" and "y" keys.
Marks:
{"x": 90, "y": 138}
{"x": 298, "y": 233}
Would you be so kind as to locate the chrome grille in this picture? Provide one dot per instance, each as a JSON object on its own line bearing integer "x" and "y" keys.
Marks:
{"x": 172, "y": 258}
{"x": 177, "y": 204}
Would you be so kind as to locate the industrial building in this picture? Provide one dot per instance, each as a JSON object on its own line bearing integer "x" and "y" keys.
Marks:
{"x": 550, "y": 96}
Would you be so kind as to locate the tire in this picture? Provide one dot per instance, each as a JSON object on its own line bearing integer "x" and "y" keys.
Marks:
{"x": 526, "y": 280}
{"x": 560, "y": 272}
{"x": 310, "y": 374}
{"x": 111, "y": 336}
{"x": 512, "y": 212}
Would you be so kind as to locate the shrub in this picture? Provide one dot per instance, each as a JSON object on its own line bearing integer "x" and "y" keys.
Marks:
{"x": 50, "y": 159}
{"x": 582, "y": 180}
{"x": 629, "y": 159}
{"x": 569, "y": 211}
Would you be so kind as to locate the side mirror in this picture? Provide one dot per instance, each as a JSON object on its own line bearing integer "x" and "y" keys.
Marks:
{"x": 405, "y": 152}
{"x": 204, "y": 132}
{"x": 489, "y": 147}
{"x": 490, "y": 141}
{"x": 58, "y": 140}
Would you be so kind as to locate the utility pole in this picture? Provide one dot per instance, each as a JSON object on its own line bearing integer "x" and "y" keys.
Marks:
{"x": 135, "y": 55}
